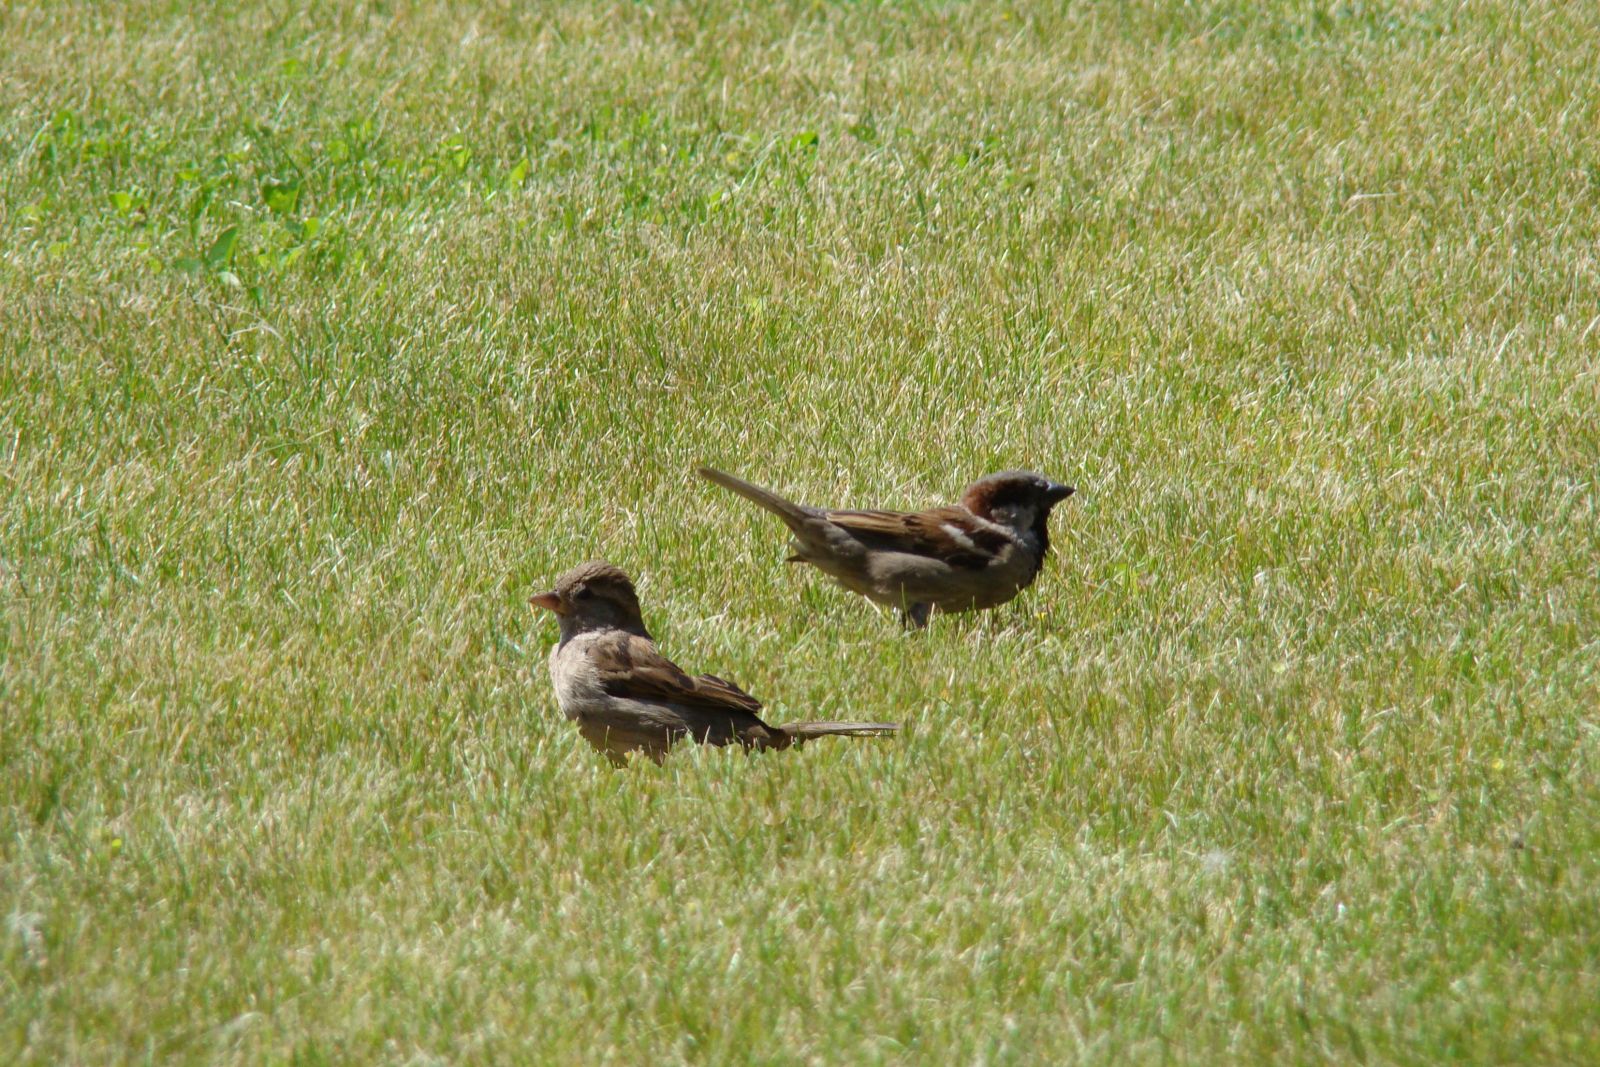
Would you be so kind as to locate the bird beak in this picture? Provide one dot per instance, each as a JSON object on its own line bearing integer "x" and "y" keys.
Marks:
{"x": 549, "y": 602}
{"x": 1058, "y": 492}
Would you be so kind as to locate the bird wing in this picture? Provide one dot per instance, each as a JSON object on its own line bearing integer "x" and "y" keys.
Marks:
{"x": 630, "y": 667}
{"x": 952, "y": 535}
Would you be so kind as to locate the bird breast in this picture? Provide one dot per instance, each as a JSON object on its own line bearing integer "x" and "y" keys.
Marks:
{"x": 575, "y": 678}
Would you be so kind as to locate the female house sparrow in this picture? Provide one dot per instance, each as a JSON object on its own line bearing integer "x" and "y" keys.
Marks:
{"x": 976, "y": 554}
{"x": 627, "y": 697}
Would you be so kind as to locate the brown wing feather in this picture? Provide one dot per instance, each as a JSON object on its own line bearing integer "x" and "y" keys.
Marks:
{"x": 630, "y": 667}
{"x": 922, "y": 533}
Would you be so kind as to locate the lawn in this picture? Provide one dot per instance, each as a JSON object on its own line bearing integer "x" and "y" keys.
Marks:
{"x": 327, "y": 336}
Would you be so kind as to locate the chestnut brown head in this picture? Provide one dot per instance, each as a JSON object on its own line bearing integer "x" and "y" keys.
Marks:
{"x": 1019, "y": 499}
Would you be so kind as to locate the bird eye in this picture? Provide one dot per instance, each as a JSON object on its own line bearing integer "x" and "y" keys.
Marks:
{"x": 584, "y": 593}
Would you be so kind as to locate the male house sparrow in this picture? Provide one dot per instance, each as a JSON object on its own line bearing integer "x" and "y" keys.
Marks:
{"x": 976, "y": 554}
{"x": 625, "y": 696}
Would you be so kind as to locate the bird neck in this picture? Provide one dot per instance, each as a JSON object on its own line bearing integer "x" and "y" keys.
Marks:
{"x": 573, "y": 625}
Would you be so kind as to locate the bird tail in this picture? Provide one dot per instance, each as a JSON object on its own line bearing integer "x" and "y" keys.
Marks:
{"x": 794, "y": 515}
{"x": 801, "y": 732}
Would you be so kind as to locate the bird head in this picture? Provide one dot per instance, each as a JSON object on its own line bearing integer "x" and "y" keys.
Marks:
{"x": 1019, "y": 499}
{"x": 593, "y": 596}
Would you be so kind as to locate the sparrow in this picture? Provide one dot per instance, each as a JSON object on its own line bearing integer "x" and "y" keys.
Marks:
{"x": 976, "y": 554}
{"x": 627, "y": 697}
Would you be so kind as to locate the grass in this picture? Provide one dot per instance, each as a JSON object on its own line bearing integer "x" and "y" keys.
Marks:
{"x": 330, "y": 336}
